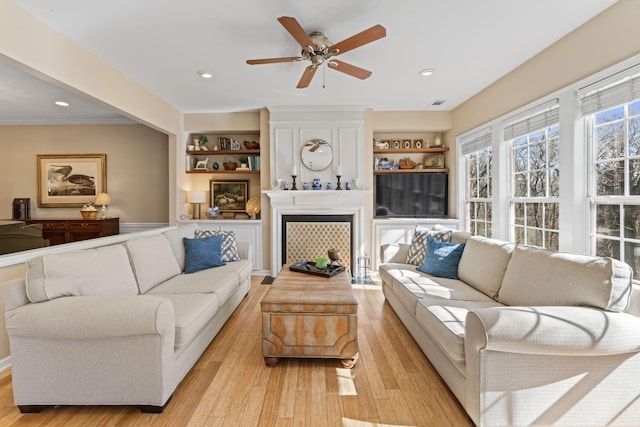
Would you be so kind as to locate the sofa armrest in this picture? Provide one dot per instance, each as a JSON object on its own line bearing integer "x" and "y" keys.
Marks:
{"x": 394, "y": 252}
{"x": 244, "y": 250}
{"x": 14, "y": 293}
{"x": 556, "y": 330}
{"x": 88, "y": 317}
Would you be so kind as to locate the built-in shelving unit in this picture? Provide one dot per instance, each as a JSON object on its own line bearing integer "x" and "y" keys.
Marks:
{"x": 215, "y": 156}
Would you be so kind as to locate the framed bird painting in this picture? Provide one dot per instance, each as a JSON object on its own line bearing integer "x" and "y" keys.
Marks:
{"x": 70, "y": 180}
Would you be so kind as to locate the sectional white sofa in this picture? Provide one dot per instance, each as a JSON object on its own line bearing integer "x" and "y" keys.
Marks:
{"x": 525, "y": 336}
{"x": 116, "y": 325}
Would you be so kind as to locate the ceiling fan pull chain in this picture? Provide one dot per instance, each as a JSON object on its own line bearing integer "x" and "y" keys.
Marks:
{"x": 324, "y": 67}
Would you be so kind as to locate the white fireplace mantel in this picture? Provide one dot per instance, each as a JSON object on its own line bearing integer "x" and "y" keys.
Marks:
{"x": 315, "y": 202}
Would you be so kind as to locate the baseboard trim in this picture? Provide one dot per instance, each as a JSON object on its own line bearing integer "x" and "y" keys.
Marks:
{"x": 5, "y": 363}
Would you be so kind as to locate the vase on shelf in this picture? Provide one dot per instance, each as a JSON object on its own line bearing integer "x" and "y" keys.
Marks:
{"x": 317, "y": 184}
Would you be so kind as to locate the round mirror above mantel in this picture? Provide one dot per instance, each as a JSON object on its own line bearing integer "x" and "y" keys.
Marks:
{"x": 316, "y": 154}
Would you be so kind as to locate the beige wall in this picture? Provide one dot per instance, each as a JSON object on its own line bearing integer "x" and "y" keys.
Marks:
{"x": 137, "y": 167}
{"x": 607, "y": 39}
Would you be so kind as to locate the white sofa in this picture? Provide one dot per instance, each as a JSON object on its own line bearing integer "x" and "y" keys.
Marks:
{"x": 116, "y": 325}
{"x": 525, "y": 336}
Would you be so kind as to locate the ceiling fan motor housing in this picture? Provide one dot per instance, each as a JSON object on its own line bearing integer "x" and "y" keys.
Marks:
{"x": 320, "y": 48}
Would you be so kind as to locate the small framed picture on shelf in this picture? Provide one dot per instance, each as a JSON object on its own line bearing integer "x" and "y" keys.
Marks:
{"x": 386, "y": 143}
{"x": 406, "y": 144}
{"x": 418, "y": 144}
{"x": 229, "y": 196}
{"x": 434, "y": 161}
{"x": 396, "y": 144}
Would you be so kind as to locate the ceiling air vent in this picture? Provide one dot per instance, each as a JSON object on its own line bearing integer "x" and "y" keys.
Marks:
{"x": 438, "y": 102}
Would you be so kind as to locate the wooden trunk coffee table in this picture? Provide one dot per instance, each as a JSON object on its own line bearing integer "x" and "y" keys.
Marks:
{"x": 310, "y": 316}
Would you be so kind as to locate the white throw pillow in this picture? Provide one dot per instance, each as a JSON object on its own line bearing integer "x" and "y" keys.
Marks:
{"x": 153, "y": 261}
{"x": 89, "y": 272}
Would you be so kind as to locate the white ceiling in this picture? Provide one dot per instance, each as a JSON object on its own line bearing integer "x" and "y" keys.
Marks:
{"x": 162, "y": 44}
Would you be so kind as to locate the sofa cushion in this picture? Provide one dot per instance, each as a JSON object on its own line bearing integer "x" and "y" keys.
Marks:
{"x": 229, "y": 244}
{"x": 192, "y": 313}
{"x": 538, "y": 276}
{"x": 418, "y": 246}
{"x": 175, "y": 237}
{"x": 153, "y": 261}
{"x": 209, "y": 281}
{"x": 445, "y": 321}
{"x": 202, "y": 253}
{"x": 442, "y": 258}
{"x": 100, "y": 271}
{"x": 484, "y": 262}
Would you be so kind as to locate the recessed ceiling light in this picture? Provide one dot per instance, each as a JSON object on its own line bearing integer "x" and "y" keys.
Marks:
{"x": 62, "y": 103}
{"x": 427, "y": 71}
{"x": 205, "y": 74}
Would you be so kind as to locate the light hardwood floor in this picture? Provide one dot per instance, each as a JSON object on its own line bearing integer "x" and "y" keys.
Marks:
{"x": 392, "y": 384}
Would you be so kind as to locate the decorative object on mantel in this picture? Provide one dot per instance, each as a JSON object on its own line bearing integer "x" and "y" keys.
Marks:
{"x": 294, "y": 175}
{"x": 196, "y": 197}
{"x": 316, "y": 154}
{"x": 89, "y": 211}
{"x": 317, "y": 185}
{"x": 103, "y": 199}
{"x": 278, "y": 185}
{"x": 338, "y": 176}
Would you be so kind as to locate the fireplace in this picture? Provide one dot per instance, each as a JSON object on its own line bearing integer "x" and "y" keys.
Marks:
{"x": 335, "y": 212}
{"x": 306, "y": 236}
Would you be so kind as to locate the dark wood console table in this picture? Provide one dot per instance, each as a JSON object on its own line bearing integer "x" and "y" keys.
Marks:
{"x": 60, "y": 231}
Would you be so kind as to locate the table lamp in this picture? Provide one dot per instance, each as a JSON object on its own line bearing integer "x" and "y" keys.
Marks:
{"x": 103, "y": 199}
{"x": 196, "y": 197}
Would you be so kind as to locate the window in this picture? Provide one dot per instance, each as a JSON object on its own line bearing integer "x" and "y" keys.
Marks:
{"x": 615, "y": 208}
{"x": 479, "y": 188}
{"x": 535, "y": 176}
{"x": 478, "y": 157}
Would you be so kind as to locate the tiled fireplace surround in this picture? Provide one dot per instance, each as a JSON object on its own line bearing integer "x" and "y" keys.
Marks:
{"x": 290, "y": 128}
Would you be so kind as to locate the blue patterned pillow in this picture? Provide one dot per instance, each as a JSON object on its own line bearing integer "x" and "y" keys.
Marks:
{"x": 442, "y": 258}
{"x": 202, "y": 253}
{"x": 229, "y": 245}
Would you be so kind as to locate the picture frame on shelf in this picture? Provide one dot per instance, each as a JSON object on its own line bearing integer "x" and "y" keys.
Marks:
{"x": 386, "y": 144}
{"x": 70, "y": 180}
{"x": 406, "y": 144}
{"x": 418, "y": 143}
{"x": 396, "y": 144}
{"x": 229, "y": 196}
{"x": 434, "y": 161}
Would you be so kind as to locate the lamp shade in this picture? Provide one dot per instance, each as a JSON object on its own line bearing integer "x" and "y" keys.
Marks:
{"x": 196, "y": 197}
{"x": 103, "y": 199}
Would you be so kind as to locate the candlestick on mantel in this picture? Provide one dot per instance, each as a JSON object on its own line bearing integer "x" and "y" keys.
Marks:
{"x": 294, "y": 170}
{"x": 339, "y": 170}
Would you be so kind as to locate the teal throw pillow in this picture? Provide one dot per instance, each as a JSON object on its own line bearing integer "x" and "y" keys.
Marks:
{"x": 202, "y": 253}
{"x": 442, "y": 258}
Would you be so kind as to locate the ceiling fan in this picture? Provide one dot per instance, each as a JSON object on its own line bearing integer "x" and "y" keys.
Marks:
{"x": 317, "y": 49}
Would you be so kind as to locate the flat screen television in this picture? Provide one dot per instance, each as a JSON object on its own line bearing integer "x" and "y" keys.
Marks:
{"x": 412, "y": 195}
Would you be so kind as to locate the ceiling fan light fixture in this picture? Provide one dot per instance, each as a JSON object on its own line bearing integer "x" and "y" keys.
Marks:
{"x": 205, "y": 74}
{"x": 427, "y": 72}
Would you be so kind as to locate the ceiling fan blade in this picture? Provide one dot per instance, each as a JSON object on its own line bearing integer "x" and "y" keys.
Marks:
{"x": 293, "y": 27}
{"x": 308, "y": 74}
{"x": 274, "y": 60}
{"x": 367, "y": 36}
{"x": 352, "y": 70}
